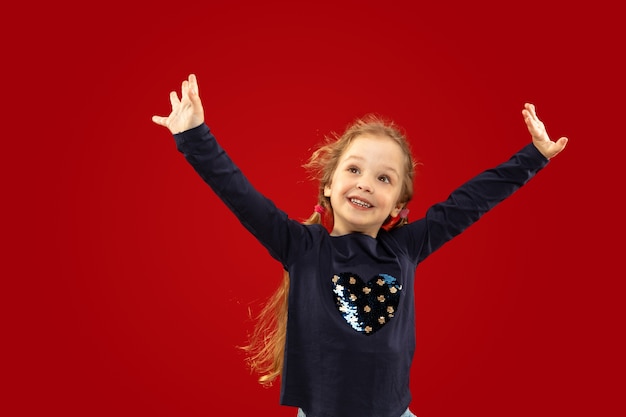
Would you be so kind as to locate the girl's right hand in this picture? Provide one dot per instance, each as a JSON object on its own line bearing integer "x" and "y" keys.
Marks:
{"x": 187, "y": 112}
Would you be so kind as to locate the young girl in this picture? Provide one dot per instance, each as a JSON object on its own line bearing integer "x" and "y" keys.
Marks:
{"x": 347, "y": 345}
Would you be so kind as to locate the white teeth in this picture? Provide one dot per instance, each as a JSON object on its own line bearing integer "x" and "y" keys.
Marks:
{"x": 360, "y": 203}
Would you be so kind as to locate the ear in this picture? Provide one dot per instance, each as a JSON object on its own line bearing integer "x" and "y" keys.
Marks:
{"x": 327, "y": 191}
{"x": 395, "y": 212}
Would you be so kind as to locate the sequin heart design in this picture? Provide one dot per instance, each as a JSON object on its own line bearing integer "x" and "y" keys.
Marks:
{"x": 366, "y": 306}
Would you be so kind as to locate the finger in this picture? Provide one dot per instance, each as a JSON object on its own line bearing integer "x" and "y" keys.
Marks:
{"x": 185, "y": 89}
{"x": 160, "y": 120}
{"x": 531, "y": 122}
{"x": 174, "y": 101}
{"x": 530, "y": 117}
{"x": 195, "y": 99}
{"x": 193, "y": 84}
{"x": 532, "y": 111}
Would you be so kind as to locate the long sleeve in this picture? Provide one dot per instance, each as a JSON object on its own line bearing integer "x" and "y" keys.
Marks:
{"x": 468, "y": 203}
{"x": 270, "y": 225}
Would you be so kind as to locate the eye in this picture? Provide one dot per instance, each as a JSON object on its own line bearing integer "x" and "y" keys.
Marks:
{"x": 385, "y": 179}
{"x": 353, "y": 170}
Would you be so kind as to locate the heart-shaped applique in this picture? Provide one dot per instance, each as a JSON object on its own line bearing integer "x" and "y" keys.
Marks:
{"x": 366, "y": 306}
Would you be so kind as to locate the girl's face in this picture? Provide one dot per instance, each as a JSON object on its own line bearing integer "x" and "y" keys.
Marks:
{"x": 366, "y": 185}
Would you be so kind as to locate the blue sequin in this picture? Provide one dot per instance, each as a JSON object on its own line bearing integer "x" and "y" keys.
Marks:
{"x": 366, "y": 307}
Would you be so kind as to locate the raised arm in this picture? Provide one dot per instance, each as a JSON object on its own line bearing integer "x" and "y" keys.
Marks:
{"x": 187, "y": 111}
{"x": 270, "y": 225}
{"x": 469, "y": 202}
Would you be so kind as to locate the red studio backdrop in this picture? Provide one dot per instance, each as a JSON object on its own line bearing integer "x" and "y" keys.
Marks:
{"x": 127, "y": 285}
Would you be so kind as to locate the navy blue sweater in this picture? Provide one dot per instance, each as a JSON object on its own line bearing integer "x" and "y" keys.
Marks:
{"x": 351, "y": 329}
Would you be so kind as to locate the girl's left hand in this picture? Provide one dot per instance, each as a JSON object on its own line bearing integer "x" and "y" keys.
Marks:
{"x": 537, "y": 130}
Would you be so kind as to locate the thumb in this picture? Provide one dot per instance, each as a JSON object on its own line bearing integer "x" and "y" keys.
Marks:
{"x": 160, "y": 120}
{"x": 560, "y": 145}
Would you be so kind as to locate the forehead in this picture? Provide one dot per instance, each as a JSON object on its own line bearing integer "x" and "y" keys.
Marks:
{"x": 379, "y": 149}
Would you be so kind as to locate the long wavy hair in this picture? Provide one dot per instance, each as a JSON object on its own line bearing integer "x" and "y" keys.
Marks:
{"x": 266, "y": 345}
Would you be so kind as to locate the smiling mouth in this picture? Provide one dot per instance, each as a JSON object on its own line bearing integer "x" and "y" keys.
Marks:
{"x": 360, "y": 203}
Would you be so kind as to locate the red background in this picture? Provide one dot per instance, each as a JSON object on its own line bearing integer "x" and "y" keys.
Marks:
{"x": 126, "y": 284}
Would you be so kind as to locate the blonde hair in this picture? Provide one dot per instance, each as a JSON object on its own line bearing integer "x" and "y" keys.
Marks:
{"x": 267, "y": 342}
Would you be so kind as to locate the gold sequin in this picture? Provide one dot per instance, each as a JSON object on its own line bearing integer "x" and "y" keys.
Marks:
{"x": 381, "y": 298}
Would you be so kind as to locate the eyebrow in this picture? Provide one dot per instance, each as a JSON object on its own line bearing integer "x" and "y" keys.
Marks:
{"x": 360, "y": 158}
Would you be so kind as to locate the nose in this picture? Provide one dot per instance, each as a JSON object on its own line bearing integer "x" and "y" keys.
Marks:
{"x": 365, "y": 185}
